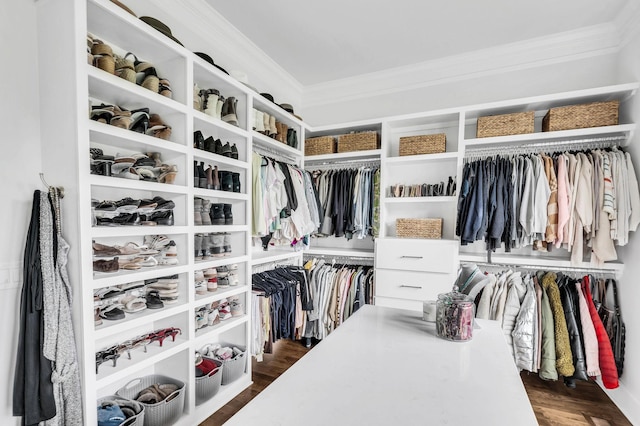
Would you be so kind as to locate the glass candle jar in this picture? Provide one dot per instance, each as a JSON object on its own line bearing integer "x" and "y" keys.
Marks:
{"x": 454, "y": 316}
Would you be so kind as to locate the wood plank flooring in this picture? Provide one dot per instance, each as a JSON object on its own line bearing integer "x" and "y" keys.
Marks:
{"x": 553, "y": 403}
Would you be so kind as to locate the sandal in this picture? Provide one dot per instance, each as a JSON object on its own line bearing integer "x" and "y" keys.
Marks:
{"x": 125, "y": 69}
{"x": 112, "y": 313}
{"x": 132, "y": 304}
{"x": 140, "y": 120}
{"x": 153, "y": 300}
{"x": 165, "y": 88}
{"x": 102, "y": 250}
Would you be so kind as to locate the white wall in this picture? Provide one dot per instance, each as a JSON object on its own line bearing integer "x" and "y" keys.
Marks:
{"x": 472, "y": 89}
{"x": 20, "y": 164}
{"x": 627, "y": 397}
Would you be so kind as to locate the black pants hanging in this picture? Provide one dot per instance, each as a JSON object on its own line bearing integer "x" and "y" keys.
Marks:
{"x": 32, "y": 388}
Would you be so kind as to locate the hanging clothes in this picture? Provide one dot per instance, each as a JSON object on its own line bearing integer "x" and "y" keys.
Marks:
{"x": 347, "y": 198}
{"x": 285, "y": 209}
{"x": 576, "y": 200}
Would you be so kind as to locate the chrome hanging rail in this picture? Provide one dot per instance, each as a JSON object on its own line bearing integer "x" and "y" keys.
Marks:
{"x": 532, "y": 148}
{"x": 563, "y": 269}
{"x": 346, "y": 164}
{"x": 275, "y": 154}
{"x": 345, "y": 259}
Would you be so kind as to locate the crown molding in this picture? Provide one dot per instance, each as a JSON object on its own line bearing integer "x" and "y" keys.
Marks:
{"x": 564, "y": 47}
{"x": 197, "y": 23}
{"x": 627, "y": 22}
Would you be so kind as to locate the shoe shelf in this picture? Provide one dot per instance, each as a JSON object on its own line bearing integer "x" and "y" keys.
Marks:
{"x": 200, "y": 117}
{"x": 265, "y": 105}
{"x": 207, "y": 229}
{"x": 219, "y": 261}
{"x": 106, "y": 279}
{"x": 129, "y": 141}
{"x": 141, "y": 319}
{"x": 213, "y": 193}
{"x": 161, "y": 189}
{"x": 419, "y": 200}
{"x": 127, "y": 368}
{"x": 218, "y": 160}
{"x": 220, "y": 293}
{"x": 372, "y": 154}
{"x": 136, "y": 231}
{"x": 206, "y": 334}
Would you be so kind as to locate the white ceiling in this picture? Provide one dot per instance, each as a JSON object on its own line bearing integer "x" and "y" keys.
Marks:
{"x": 320, "y": 41}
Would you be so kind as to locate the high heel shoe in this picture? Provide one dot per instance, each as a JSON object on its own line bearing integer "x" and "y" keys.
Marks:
{"x": 107, "y": 355}
{"x": 102, "y": 113}
{"x": 121, "y": 118}
{"x": 168, "y": 174}
{"x": 198, "y": 140}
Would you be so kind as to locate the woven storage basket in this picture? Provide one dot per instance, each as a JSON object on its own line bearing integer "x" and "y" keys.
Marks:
{"x": 233, "y": 368}
{"x": 320, "y": 145}
{"x": 419, "y": 228}
{"x": 208, "y": 386}
{"x": 423, "y": 144}
{"x": 362, "y": 141}
{"x": 165, "y": 412}
{"x": 505, "y": 124}
{"x": 138, "y": 419}
{"x": 595, "y": 114}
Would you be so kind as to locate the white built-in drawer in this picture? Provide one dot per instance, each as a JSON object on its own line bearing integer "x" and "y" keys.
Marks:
{"x": 390, "y": 302}
{"x": 412, "y": 285}
{"x": 417, "y": 255}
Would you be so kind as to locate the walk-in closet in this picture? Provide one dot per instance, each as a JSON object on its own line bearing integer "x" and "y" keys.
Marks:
{"x": 235, "y": 213}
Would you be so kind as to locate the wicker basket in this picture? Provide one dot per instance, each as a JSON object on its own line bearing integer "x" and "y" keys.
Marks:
{"x": 320, "y": 145}
{"x": 138, "y": 419}
{"x": 423, "y": 144}
{"x": 362, "y": 141}
{"x": 596, "y": 114}
{"x": 419, "y": 228}
{"x": 506, "y": 124}
{"x": 165, "y": 412}
{"x": 208, "y": 386}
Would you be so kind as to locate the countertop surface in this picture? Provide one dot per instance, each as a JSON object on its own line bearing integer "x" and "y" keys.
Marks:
{"x": 386, "y": 366}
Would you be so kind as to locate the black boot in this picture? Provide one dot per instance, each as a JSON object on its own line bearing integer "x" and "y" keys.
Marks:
{"x": 196, "y": 176}
{"x": 229, "y": 111}
{"x": 228, "y": 216}
{"x": 198, "y": 140}
{"x": 217, "y": 214}
{"x": 202, "y": 176}
{"x": 292, "y": 138}
{"x": 226, "y": 180}
{"x": 209, "y": 145}
{"x": 236, "y": 181}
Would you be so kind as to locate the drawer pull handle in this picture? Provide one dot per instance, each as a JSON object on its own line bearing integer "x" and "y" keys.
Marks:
{"x": 410, "y": 257}
{"x": 419, "y": 287}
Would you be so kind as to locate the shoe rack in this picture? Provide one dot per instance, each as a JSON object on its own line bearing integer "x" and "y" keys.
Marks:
{"x": 69, "y": 86}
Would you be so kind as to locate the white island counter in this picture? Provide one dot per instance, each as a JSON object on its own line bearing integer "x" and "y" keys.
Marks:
{"x": 386, "y": 366}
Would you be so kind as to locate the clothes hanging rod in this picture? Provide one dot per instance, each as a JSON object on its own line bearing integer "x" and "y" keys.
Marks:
{"x": 338, "y": 257}
{"x": 557, "y": 146}
{"x": 347, "y": 164}
{"x": 272, "y": 153}
{"x": 577, "y": 269}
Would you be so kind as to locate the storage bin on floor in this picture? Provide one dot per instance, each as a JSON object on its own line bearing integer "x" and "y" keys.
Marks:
{"x": 163, "y": 413}
{"x": 136, "y": 420}
{"x": 208, "y": 386}
{"x": 233, "y": 368}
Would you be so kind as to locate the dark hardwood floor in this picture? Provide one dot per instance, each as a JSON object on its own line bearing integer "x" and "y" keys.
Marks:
{"x": 553, "y": 403}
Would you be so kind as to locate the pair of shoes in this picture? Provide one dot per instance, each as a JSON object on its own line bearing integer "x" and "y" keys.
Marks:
{"x": 207, "y": 213}
{"x": 214, "y": 146}
{"x": 211, "y": 245}
{"x": 102, "y": 265}
{"x": 102, "y": 55}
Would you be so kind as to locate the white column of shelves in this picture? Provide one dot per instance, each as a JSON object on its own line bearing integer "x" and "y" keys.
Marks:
{"x": 340, "y": 246}
{"x": 419, "y": 169}
{"x": 265, "y": 145}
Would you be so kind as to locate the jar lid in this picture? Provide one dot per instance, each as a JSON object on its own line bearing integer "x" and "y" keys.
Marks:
{"x": 455, "y": 297}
